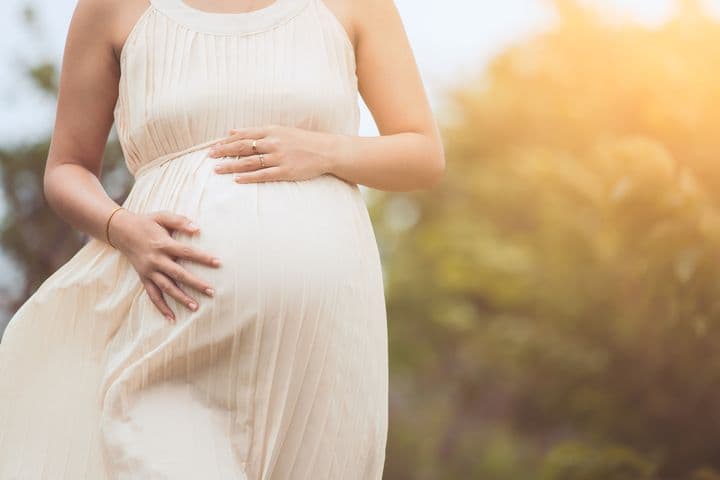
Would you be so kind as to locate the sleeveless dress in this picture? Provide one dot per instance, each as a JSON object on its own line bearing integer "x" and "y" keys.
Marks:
{"x": 283, "y": 374}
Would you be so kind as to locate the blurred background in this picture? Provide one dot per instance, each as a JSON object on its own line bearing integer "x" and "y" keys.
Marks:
{"x": 554, "y": 304}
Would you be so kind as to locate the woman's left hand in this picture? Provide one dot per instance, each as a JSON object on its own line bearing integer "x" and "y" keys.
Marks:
{"x": 288, "y": 153}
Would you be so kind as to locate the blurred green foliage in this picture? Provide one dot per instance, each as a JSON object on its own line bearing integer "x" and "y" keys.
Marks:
{"x": 554, "y": 305}
{"x": 30, "y": 232}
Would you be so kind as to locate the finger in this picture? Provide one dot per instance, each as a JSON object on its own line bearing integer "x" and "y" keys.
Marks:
{"x": 269, "y": 174}
{"x": 181, "y": 250}
{"x": 245, "y": 164}
{"x": 169, "y": 287}
{"x": 181, "y": 275}
{"x": 237, "y": 147}
{"x": 175, "y": 221}
{"x": 156, "y": 297}
{"x": 235, "y": 134}
{"x": 232, "y": 137}
{"x": 249, "y": 132}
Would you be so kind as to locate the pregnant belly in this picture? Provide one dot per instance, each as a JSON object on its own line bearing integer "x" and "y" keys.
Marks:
{"x": 282, "y": 245}
{"x": 298, "y": 310}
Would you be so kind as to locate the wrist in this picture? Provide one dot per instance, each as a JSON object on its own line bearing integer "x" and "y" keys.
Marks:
{"x": 336, "y": 152}
{"x": 117, "y": 229}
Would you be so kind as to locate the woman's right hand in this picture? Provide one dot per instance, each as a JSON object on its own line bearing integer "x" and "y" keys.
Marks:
{"x": 147, "y": 242}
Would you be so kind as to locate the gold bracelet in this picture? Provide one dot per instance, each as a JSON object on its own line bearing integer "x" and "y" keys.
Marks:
{"x": 107, "y": 226}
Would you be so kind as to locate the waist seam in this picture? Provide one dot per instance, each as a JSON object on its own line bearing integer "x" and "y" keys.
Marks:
{"x": 144, "y": 168}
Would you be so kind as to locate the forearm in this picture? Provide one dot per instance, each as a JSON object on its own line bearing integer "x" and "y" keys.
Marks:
{"x": 399, "y": 162}
{"x": 78, "y": 197}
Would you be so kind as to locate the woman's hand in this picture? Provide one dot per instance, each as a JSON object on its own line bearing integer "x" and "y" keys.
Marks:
{"x": 145, "y": 239}
{"x": 288, "y": 153}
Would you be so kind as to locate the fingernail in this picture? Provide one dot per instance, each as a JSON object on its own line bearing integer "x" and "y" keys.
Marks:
{"x": 193, "y": 226}
{"x": 170, "y": 318}
{"x": 210, "y": 291}
{"x": 192, "y": 305}
{"x": 218, "y": 167}
{"x": 216, "y": 262}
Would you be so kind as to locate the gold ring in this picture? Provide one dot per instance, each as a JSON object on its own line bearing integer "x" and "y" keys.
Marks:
{"x": 254, "y": 146}
{"x": 262, "y": 161}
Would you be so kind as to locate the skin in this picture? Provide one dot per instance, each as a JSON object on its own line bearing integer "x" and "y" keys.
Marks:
{"x": 408, "y": 155}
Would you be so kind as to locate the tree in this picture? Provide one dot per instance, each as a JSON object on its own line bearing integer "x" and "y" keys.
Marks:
{"x": 31, "y": 233}
{"x": 554, "y": 304}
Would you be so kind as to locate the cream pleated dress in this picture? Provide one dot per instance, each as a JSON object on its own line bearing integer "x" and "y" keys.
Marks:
{"x": 281, "y": 375}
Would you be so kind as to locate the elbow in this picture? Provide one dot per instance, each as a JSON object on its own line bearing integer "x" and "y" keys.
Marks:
{"x": 48, "y": 185}
{"x": 436, "y": 169}
{"x": 430, "y": 164}
{"x": 51, "y": 184}
{"x": 47, "y": 188}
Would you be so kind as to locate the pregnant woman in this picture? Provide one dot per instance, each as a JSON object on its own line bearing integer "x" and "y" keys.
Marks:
{"x": 228, "y": 320}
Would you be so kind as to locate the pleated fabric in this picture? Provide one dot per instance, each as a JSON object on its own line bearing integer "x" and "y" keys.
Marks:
{"x": 282, "y": 374}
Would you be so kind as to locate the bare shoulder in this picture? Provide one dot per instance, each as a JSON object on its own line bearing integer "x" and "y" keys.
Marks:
{"x": 93, "y": 17}
{"x": 126, "y": 14}
{"x": 345, "y": 12}
{"x": 360, "y": 18}
{"x": 375, "y": 16}
{"x": 106, "y": 22}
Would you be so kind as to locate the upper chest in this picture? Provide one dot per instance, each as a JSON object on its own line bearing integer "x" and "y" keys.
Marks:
{"x": 296, "y": 66}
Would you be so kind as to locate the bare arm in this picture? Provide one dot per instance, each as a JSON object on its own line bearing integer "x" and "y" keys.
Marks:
{"x": 408, "y": 154}
{"x": 86, "y": 99}
{"x": 88, "y": 89}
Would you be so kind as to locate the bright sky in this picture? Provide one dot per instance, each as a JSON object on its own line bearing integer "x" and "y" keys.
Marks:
{"x": 446, "y": 35}
{"x": 450, "y": 38}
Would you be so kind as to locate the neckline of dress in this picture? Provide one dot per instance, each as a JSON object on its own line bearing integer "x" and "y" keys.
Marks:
{"x": 230, "y": 23}
{"x": 258, "y": 11}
